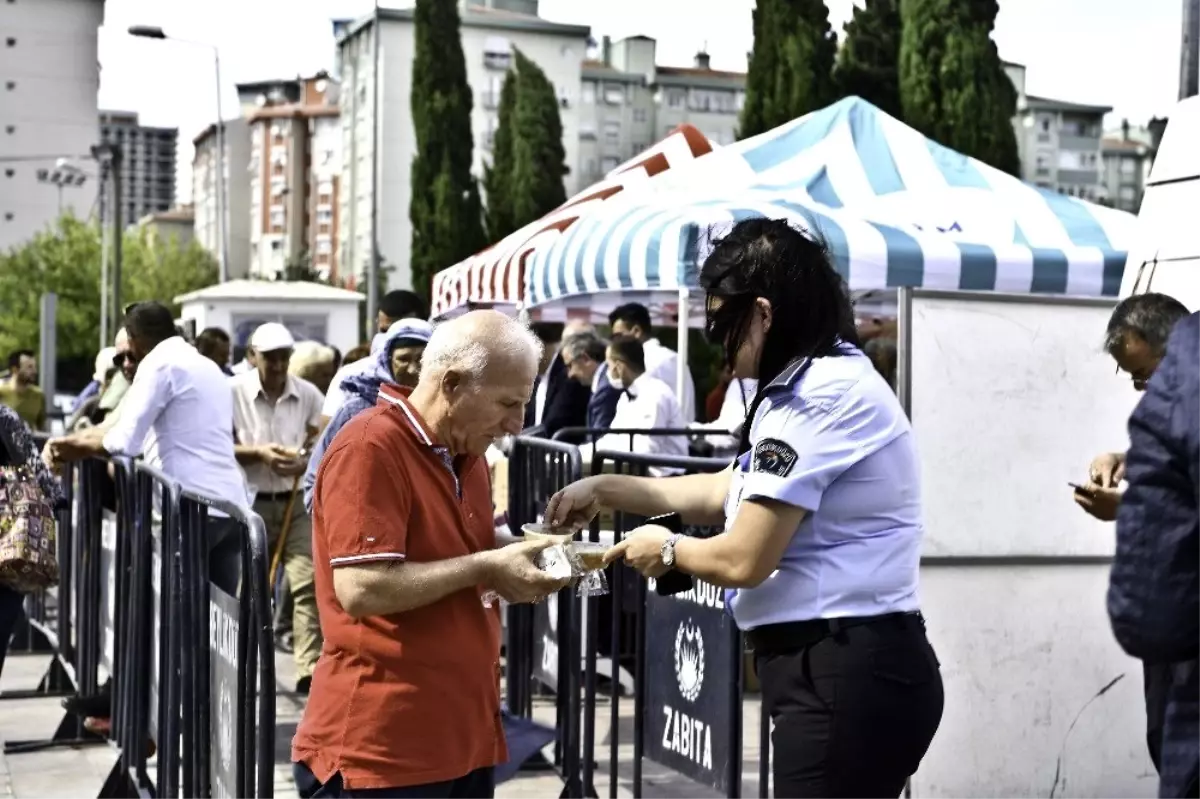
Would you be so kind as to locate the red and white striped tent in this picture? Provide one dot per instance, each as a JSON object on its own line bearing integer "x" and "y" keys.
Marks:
{"x": 495, "y": 277}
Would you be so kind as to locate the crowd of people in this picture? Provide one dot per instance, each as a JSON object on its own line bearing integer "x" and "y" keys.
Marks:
{"x": 371, "y": 474}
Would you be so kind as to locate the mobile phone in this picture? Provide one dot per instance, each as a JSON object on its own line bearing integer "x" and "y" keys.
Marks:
{"x": 1080, "y": 489}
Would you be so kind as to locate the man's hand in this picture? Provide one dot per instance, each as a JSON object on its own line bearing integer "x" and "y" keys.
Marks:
{"x": 574, "y": 507}
{"x": 513, "y": 574}
{"x": 1107, "y": 470}
{"x": 642, "y": 550}
{"x": 1100, "y": 502}
{"x": 281, "y": 460}
{"x": 59, "y": 451}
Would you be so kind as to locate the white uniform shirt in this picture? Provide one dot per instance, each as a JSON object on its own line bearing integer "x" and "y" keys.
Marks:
{"x": 286, "y": 422}
{"x": 663, "y": 363}
{"x": 647, "y": 404}
{"x": 833, "y": 440}
{"x": 179, "y": 413}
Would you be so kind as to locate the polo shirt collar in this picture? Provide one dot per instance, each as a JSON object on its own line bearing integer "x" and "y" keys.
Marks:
{"x": 391, "y": 394}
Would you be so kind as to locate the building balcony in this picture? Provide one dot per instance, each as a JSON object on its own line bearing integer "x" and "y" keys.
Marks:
{"x": 1079, "y": 177}
{"x": 497, "y": 61}
{"x": 1087, "y": 144}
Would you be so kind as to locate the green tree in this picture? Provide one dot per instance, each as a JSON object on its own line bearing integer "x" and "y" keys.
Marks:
{"x": 791, "y": 65}
{"x": 65, "y": 259}
{"x": 868, "y": 64}
{"x": 953, "y": 87}
{"x": 497, "y": 177}
{"x": 445, "y": 209}
{"x": 538, "y": 157}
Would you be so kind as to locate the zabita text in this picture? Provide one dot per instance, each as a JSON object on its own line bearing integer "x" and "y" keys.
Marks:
{"x": 688, "y": 737}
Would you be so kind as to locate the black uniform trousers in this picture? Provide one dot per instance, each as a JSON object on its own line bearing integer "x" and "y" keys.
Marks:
{"x": 854, "y": 707}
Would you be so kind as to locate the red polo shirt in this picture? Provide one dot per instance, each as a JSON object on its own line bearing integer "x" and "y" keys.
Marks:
{"x": 412, "y": 698}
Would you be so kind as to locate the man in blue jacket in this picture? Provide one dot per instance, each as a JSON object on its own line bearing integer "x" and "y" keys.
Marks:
{"x": 1154, "y": 591}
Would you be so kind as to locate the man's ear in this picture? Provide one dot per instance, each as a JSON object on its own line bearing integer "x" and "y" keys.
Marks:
{"x": 452, "y": 382}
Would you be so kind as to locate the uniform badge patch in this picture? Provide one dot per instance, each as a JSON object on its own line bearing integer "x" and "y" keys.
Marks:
{"x": 772, "y": 456}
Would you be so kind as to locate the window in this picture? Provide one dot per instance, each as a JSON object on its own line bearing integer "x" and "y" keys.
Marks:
{"x": 614, "y": 94}
{"x": 590, "y": 166}
{"x": 1127, "y": 194}
{"x": 324, "y": 246}
{"x": 676, "y": 98}
{"x": 277, "y": 218}
{"x": 1128, "y": 166}
{"x": 324, "y": 217}
{"x": 589, "y": 91}
{"x": 612, "y": 132}
{"x": 608, "y": 164}
{"x": 587, "y": 130}
{"x": 497, "y": 53}
{"x": 639, "y": 115}
{"x": 325, "y": 187}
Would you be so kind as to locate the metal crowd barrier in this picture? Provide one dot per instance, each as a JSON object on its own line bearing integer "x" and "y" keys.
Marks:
{"x": 697, "y": 438}
{"x": 687, "y": 676}
{"x": 535, "y": 651}
{"x": 132, "y": 550}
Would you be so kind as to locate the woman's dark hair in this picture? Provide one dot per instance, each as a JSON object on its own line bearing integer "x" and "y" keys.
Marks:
{"x": 812, "y": 313}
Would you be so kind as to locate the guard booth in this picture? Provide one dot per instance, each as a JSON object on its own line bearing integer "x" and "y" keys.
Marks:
{"x": 312, "y": 311}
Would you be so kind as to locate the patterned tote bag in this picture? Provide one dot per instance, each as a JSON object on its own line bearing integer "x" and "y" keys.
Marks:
{"x": 28, "y": 559}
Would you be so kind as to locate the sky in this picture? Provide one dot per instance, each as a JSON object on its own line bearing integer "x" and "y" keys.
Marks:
{"x": 1104, "y": 52}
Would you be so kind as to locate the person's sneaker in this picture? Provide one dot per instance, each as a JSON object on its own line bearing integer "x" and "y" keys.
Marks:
{"x": 303, "y": 685}
{"x": 283, "y": 642}
{"x": 98, "y": 726}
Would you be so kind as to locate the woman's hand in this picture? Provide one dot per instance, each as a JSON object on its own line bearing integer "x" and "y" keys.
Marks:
{"x": 574, "y": 507}
{"x": 642, "y": 549}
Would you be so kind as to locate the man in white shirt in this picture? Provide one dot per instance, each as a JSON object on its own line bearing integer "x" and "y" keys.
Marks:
{"x": 276, "y": 416}
{"x": 662, "y": 362}
{"x": 178, "y": 414}
{"x": 647, "y": 404}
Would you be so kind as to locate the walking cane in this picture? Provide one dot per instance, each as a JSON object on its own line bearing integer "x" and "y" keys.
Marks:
{"x": 277, "y": 555}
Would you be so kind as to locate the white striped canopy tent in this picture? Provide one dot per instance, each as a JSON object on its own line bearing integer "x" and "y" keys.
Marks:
{"x": 895, "y": 208}
{"x": 494, "y": 278}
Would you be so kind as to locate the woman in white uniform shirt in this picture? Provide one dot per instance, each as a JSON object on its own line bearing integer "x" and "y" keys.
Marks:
{"x": 823, "y": 524}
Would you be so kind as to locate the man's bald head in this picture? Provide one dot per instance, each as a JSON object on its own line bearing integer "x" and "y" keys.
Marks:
{"x": 476, "y": 377}
{"x": 477, "y": 341}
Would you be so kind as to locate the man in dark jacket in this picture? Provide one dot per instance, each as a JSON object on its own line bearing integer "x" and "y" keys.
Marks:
{"x": 558, "y": 401}
{"x": 1154, "y": 592}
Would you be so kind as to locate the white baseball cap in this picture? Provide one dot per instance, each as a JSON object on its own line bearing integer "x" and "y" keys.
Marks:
{"x": 272, "y": 336}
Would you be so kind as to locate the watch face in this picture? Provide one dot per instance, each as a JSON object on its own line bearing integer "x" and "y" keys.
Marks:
{"x": 668, "y": 552}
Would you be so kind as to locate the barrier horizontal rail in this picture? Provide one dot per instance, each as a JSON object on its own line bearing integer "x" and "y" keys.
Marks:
{"x": 125, "y": 565}
{"x": 697, "y": 437}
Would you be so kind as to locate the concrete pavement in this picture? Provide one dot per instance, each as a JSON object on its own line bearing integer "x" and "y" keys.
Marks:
{"x": 81, "y": 772}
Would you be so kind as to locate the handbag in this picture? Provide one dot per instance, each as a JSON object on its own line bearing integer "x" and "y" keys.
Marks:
{"x": 28, "y": 559}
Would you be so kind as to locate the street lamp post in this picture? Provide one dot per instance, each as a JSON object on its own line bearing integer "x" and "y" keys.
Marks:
{"x": 154, "y": 32}
{"x": 64, "y": 174}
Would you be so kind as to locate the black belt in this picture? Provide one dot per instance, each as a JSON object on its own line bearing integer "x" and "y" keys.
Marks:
{"x": 278, "y": 496}
{"x": 792, "y": 636}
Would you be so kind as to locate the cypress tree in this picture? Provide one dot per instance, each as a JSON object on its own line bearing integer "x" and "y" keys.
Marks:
{"x": 791, "y": 66}
{"x": 953, "y": 87}
{"x": 868, "y": 65}
{"x": 497, "y": 177}
{"x": 538, "y": 156}
{"x": 445, "y": 209}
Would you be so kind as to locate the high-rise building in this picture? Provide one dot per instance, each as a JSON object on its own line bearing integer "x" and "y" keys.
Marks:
{"x": 294, "y": 168}
{"x": 49, "y": 67}
{"x": 147, "y": 163}
{"x": 205, "y": 199}
{"x": 489, "y": 33}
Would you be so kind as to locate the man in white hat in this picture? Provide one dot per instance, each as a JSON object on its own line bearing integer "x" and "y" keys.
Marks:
{"x": 276, "y": 416}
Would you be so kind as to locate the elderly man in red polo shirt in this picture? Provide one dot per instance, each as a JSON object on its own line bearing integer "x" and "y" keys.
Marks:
{"x": 405, "y": 697}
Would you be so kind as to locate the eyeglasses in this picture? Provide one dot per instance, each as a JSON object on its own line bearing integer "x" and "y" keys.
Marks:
{"x": 120, "y": 358}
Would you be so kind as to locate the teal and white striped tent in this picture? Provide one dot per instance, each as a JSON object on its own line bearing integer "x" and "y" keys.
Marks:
{"x": 896, "y": 209}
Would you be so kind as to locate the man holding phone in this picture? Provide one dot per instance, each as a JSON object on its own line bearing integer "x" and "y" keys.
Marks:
{"x": 276, "y": 415}
{"x": 1136, "y": 338}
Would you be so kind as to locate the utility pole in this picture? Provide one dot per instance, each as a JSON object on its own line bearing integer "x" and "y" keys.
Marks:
{"x": 104, "y": 242}
{"x": 117, "y": 234}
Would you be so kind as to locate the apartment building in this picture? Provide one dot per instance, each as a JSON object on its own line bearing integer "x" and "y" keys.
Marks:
{"x": 627, "y": 103}
{"x": 147, "y": 163}
{"x": 1059, "y": 142}
{"x": 294, "y": 172}
{"x": 205, "y": 203}
{"x": 490, "y": 31}
{"x": 1128, "y": 153}
{"x": 49, "y": 68}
